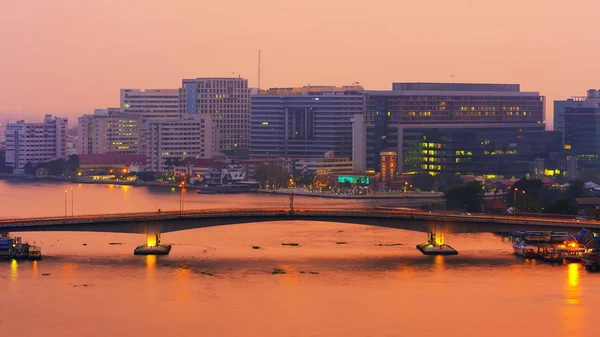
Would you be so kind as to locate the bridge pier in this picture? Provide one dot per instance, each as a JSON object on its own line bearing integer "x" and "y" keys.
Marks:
{"x": 435, "y": 244}
{"x": 153, "y": 246}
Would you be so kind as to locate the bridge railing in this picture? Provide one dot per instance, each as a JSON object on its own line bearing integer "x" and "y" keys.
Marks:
{"x": 298, "y": 214}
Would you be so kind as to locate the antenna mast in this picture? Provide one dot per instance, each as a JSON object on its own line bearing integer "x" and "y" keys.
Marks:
{"x": 258, "y": 70}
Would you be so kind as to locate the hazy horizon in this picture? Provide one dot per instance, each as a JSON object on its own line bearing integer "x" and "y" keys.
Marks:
{"x": 66, "y": 58}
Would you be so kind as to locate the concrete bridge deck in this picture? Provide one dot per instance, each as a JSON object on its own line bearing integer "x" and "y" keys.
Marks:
{"x": 161, "y": 222}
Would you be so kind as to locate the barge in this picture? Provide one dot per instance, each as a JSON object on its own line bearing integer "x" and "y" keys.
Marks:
{"x": 14, "y": 248}
{"x": 433, "y": 247}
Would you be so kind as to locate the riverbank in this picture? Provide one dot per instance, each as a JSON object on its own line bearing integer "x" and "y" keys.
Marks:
{"x": 297, "y": 192}
{"x": 305, "y": 193}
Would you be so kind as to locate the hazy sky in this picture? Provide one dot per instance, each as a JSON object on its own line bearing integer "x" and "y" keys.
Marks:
{"x": 70, "y": 56}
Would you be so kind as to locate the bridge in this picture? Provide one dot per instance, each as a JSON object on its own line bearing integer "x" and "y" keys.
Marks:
{"x": 415, "y": 220}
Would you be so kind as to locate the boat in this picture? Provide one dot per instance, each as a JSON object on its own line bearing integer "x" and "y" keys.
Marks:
{"x": 591, "y": 259}
{"x": 34, "y": 254}
{"x": 14, "y": 248}
{"x": 524, "y": 249}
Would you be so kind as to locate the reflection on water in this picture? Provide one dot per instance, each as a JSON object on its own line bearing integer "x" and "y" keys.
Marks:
{"x": 438, "y": 264}
{"x": 14, "y": 270}
{"x": 150, "y": 266}
{"x": 572, "y": 311}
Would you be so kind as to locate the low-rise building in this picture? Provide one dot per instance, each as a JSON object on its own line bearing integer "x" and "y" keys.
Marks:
{"x": 324, "y": 165}
{"x": 110, "y": 163}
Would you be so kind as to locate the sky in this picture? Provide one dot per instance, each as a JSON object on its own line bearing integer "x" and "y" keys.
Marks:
{"x": 67, "y": 57}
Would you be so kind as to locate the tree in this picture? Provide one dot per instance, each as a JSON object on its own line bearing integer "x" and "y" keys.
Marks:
{"x": 561, "y": 206}
{"x": 423, "y": 181}
{"x": 29, "y": 168}
{"x": 446, "y": 180}
{"x": 467, "y": 197}
{"x": 271, "y": 173}
{"x": 576, "y": 189}
{"x": 146, "y": 176}
{"x": 73, "y": 162}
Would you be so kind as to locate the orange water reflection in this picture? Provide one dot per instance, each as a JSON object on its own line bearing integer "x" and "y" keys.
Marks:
{"x": 572, "y": 311}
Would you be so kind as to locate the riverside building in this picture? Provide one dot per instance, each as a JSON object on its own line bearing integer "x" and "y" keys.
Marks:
{"x": 304, "y": 122}
{"x": 466, "y": 128}
{"x": 176, "y": 139}
{"x": 108, "y": 130}
{"x": 227, "y": 101}
{"x": 35, "y": 142}
{"x": 577, "y": 120}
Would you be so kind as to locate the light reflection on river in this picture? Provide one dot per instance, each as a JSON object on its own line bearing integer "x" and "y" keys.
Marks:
{"x": 214, "y": 284}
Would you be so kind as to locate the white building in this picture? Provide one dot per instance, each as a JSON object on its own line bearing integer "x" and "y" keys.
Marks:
{"x": 227, "y": 100}
{"x": 108, "y": 130}
{"x": 192, "y": 136}
{"x": 324, "y": 165}
{"x": 35, "y": 142}
{"x": 150, "y": 103}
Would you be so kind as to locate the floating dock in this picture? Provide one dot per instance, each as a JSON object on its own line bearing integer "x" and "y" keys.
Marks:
{"x": 160, "y": 249}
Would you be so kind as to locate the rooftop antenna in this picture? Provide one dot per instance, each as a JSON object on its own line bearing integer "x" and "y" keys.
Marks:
{"x": 452, "y": 78}
{"x": 259, "y": 70}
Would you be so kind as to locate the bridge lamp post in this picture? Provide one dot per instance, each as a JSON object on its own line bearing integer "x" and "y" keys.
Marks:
{"x": 65, "y": 203}
{"x": 181, "y": 198}
{"x": 72, "y": 202}
{"x": 291, "y": 184}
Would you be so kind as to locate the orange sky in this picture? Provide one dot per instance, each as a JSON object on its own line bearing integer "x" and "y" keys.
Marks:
{"x": 70, "y": 56}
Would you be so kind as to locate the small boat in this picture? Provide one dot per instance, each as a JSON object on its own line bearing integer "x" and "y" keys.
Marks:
{"x": 591, "y": 260}
{"x": 34, "y": 254}
{"x": 524, "y": 249}
{"x": 160, "y": 249}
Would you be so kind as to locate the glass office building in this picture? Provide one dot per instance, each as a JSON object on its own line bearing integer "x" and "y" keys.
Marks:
{"x": 304, "y": 122}
{"x": 483, "y": 129}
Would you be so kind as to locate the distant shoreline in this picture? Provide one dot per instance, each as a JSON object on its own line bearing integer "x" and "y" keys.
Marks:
{"x": 298, "y": 193}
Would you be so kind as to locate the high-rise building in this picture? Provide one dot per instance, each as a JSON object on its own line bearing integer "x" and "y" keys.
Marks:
{"x": 304, "y": 122}
{"x": 108, "y": 130}
{"x": 150, "y": 103}
{"x": 35, "y": 142}
{"x": 359, "y": 144}
{"x": 227, "y": 101}
{"x": 579, "y": 122}
{"x": 170, "y": 140}
{"x": 482, "y": 129}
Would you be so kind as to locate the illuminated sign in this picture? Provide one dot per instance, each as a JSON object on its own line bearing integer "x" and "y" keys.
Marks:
{"x": 360, "y": 180}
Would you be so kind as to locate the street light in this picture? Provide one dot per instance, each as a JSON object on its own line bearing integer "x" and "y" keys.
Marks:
{"x": 515, "y": 200}
{"x": 72, "y": 202}
{"x": 181, "y": 198}
{"x": 291, "y": 184}
{"x": 65, "y": 203}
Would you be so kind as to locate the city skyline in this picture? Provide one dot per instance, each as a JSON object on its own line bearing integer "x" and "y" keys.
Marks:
{"x": 545, "y": 48}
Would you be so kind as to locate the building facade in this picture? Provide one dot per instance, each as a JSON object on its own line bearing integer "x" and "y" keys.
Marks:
{"x": 176, "y": 139}
{"x": 35, "y": 142}
{"x": 324, "y": 165}
{"x": 108, "y": 130}
{"x": 227, "y": 101}
{"x": 457, "y": 127}
{"x": 580, "y": 127}
{"x": 304, "y": 122}
{"x": 387, "y": 159}
{"x": 150, "y": 103}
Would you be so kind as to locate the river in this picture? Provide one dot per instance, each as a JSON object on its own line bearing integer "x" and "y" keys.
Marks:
{"x": 214, "y": 284}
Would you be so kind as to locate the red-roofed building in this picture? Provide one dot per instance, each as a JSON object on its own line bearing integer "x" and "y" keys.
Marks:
{"x": 105, "y": 163}
{"x": 495, "y": 206}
